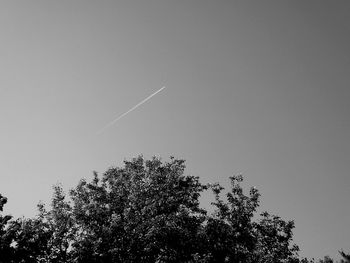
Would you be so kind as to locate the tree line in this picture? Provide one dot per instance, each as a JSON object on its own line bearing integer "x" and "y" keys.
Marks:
{"x": 149, "y": 211}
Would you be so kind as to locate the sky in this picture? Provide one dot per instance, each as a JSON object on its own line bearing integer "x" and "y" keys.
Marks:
{"x": 259, "y": 88}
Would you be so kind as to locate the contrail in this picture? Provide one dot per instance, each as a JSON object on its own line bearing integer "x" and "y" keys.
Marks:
{"x": 125, "y": 113}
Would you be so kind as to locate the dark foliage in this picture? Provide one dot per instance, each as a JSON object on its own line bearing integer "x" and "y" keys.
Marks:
{"x": 148, "y": 211}
{"x": 6, "y": 234}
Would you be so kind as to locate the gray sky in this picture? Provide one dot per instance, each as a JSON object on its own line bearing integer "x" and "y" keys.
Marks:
{"x": 259, "y": 88}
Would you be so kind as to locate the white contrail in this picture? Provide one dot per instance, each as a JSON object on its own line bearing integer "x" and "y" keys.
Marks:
{"x": 125, "y": 113}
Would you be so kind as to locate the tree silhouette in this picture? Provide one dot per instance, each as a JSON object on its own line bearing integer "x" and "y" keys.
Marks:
{"x": 345, "y": 257}
{"x": 149, "y": 211}
{"x": 7, "y": 234}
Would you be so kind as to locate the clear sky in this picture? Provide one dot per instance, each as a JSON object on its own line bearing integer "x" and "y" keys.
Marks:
{"x": 253, "y": 87}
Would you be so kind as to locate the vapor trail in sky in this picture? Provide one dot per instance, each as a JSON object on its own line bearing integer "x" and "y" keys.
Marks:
{"x": 125, "y": 113}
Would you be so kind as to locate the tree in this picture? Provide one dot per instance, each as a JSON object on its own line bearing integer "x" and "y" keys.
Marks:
{"x": 45, "y": 238}
{"x": 326, "y": 259}
{"x": 345, "y": 257}
{"x": 31, "y": 240}
{"x": 144, "y": 212}
{"x": 230, "y": 230}
{"x": 6, "y": 234}
{"x": 274, "y": 240}
{"x": 235, "y": 237}
{"x": 148, "y": 211}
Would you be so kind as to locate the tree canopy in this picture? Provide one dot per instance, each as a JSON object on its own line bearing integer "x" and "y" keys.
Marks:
{"x": 148, "y": 211}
